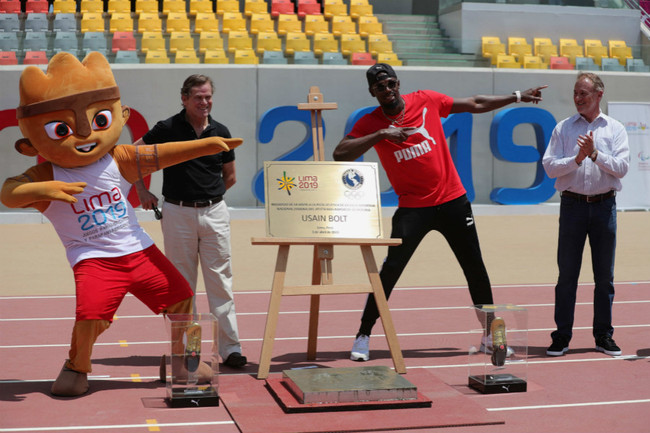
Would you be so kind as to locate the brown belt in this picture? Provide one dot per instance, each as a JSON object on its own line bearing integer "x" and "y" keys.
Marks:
{"x": 195, "y": 203}
{"x": 589, "y": 198}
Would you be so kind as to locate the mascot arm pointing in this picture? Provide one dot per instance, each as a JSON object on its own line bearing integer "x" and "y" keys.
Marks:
{"x": 148, "y": 158}
{"x": 35, "y": 188}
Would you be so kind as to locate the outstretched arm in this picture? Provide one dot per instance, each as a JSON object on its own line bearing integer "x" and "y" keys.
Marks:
{"x": 483, "y": 103}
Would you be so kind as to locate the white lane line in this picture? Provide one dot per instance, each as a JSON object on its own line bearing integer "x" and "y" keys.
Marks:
{"x": 557, "y": 406}
{"x": 116, "y": 426}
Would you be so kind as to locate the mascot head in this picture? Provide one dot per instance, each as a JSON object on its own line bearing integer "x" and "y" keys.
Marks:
{"x": 71, "y": 115}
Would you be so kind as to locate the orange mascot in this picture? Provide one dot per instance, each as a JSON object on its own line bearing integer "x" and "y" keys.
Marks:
{"x": 72, "y": 117}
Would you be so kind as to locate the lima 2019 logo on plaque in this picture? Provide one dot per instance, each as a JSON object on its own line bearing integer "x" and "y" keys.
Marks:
{"x": 352, "y": 179}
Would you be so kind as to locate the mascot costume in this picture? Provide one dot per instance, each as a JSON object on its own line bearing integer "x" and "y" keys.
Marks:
{"x": 72, "y": 117}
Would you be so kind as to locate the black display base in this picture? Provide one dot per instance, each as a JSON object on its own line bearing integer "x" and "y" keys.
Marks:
{"x": 497, "y": 383}
{"x": 202, "y": 399}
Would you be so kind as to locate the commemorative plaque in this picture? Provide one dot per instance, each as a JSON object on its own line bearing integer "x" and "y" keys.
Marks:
{"x": 322, "y": 199}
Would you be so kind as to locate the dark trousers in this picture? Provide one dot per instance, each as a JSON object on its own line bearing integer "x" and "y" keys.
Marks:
{"x": 579, "y": 220}
{"x": 455, "y": 221}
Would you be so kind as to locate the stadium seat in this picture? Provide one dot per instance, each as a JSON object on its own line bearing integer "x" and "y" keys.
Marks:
{"x": 288, "y": 23}
{"x": 491, "y": 47}
{"x": 595, "y": 49}
{"x": 126, "y": 57}
{"x": 268, "y": 41}
{"x": 370, "y": 26}
{"x": 94, "y": 6}
{"x": 206, "y": 22}
{"x": 546, "y": 51}
{"x": 35, "y": 41}
{"x": 507, "y": 61}
{"x": 352, "y": 43}
{"x": 233, "y": 21}
{"x": 64, "y": 23}
{"x": 149, "y": 22}
{"x": 274, "y": 58}
{"x": 65, "y": 41}
{"x": 296, "y": 42}
{"x": 636, "y": 65}
{"x": 156, "y": 56}
{"x": 261, "y": 22}
{"x": 174, "y": 6}
{"x": 186, "y": 56}
{"x": 331, "y": 10}
{"x": 180, "y": 41}
{"x": 37, "y": 23}
{"x": 177, "y": 22}
{"x": 559, "y": 62}
{"x": 246, "y": 56}
{"x": 255, "y": 7}
{"x": 611, "y": 64}
{"x": 334, "y": 58}
{"x": 518, "y": 47}
{"x": 9, "y": 23}
{"x": 152, "y": 41}
{"x": 325, "y": 43}
{"x": 281, "y": 7}
{"x": 571, "y": 49}
{"x": 534, "y": 62}
{"x": 586, "y": 64}
{"x": 225, "y": 6}
{"x": 620, "y": 51}
{"x": 200, "y": 6}
{"x": 118, "y": 6}
{"x": 308, "y": 8}
{"x": 379, "y": 44}
{"x": 389, "y": 58}
{"x": 342, "y": 24}
{"x": 210, "y": 41}
{"x": 36, "y": 6}
{"x": 10, "y": 7}
{"x": 123, "y": 41}
{"x": 120, "y": 22}
{"x": 316, "y": 24}
{"x": 239, "y": 40}
{"x": 92, "y": 22}
{"x": 64, "y": 7}
{"x": 146, "y": 6}
{"x": 35, "y": 58}
{"x": 8, "y": 58}
{"x": 215, "y": 56}
{"x": 360, "y": 8}
{"x": 94, "y": 41}
{"x": 9, "y": 41}
{"x": 304, "y": 58}
{"x": 362, "y": 59}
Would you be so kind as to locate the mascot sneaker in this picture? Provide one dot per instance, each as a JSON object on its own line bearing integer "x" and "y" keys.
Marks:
{"x": 70, "y": 383}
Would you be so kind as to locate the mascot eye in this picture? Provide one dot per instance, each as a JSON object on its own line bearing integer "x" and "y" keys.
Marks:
{"x": 57, "y": 130}
{"x": 103, "y": 119}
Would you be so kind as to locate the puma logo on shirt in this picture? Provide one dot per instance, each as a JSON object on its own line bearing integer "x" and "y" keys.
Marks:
{"x": 417, "y": 149}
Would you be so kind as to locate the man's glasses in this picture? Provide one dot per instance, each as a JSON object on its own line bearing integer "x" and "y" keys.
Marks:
{"x": 388, "y": 84}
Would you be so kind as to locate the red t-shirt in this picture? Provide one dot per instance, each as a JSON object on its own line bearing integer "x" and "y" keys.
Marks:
{"x": 420, "y": 169}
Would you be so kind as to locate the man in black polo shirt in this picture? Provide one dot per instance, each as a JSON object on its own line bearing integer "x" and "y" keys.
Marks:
{"x": 196, "y": 223}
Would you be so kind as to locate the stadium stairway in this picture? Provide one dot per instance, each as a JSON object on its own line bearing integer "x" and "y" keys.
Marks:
{"x": 418, "y": 40}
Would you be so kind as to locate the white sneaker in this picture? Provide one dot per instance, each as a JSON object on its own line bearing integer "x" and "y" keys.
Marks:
{"x": 361, "y": 348}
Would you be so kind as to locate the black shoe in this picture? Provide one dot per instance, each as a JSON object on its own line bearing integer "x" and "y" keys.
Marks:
{"x": 499, "y": 344}
{"x": 559, "y": 346}
{"x": 235, "y": 360}
{"x": 607, "y": 345}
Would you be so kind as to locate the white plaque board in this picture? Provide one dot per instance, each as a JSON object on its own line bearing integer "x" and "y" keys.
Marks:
{"x": 322, "y": 199}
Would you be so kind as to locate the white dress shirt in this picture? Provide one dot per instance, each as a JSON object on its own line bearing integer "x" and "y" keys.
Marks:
{"x": 590, "y": 177}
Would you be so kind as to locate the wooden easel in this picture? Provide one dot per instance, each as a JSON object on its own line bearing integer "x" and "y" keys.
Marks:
{"x": 322, "y": 282}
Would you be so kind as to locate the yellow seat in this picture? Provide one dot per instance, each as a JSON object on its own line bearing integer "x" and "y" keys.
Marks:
{"x": 152, "y": 41}
{"x": 389, "y": 58}
{"x": 200, "y": 6}
{"x": 156, "y": 56}
{"x": 261, "y": 22}
{"x": 94, "y": 6}
{"x": 595, "y": 49}
{"x": 186, "y": 56}
{"x": 174, "y": 6}
{"x": 334, "y": 9}
{"x": 544, "y": 48}
{"x": 288, "y": 23}
{"x": 224, "y": 6}
{"x": 620, "y": 50}
{"x": 379, "y": 44}
{"x": 360, "y": 8}
{"x": 233, "y": 21}
{"x": 571, "y": 49}
{"x": 215, "y": 56}
{"x": 239, "y": 40}
{"x": 268, "y": 41}
{"x": 149, "y": 22}
{"x": 370, "y": 26}
{"x": 146, "y": 6}
{"x": 352, "y": 43}
{"x": 491, "y": 47}
{"x": 118, "y": 6}
{"x": 315, "y": 24}
{"x": 295, "y": 42}
{"x": 92, "y": 22}
{"x": 177, "y": 22}
{"x": 210, "y": 41}
{"x": 246, "y": 57}
{"x": 64, "y": 7}
{"x": 121, "y": 22}
{"x": 206, "y": 22}
{"x": 180, "y": 41}
{"x": 507, "y": 61}
{"x": 518, "y": 47}
{"x": 342, "y": 24}
{"x": 252, "y": 7}
{"x": 534, "y": 62}
{"x": 325, "y": 43}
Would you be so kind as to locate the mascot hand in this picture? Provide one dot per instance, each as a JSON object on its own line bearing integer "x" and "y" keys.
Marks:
{"x": 61, "y": 191}
{"x": 232, "y": 142}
